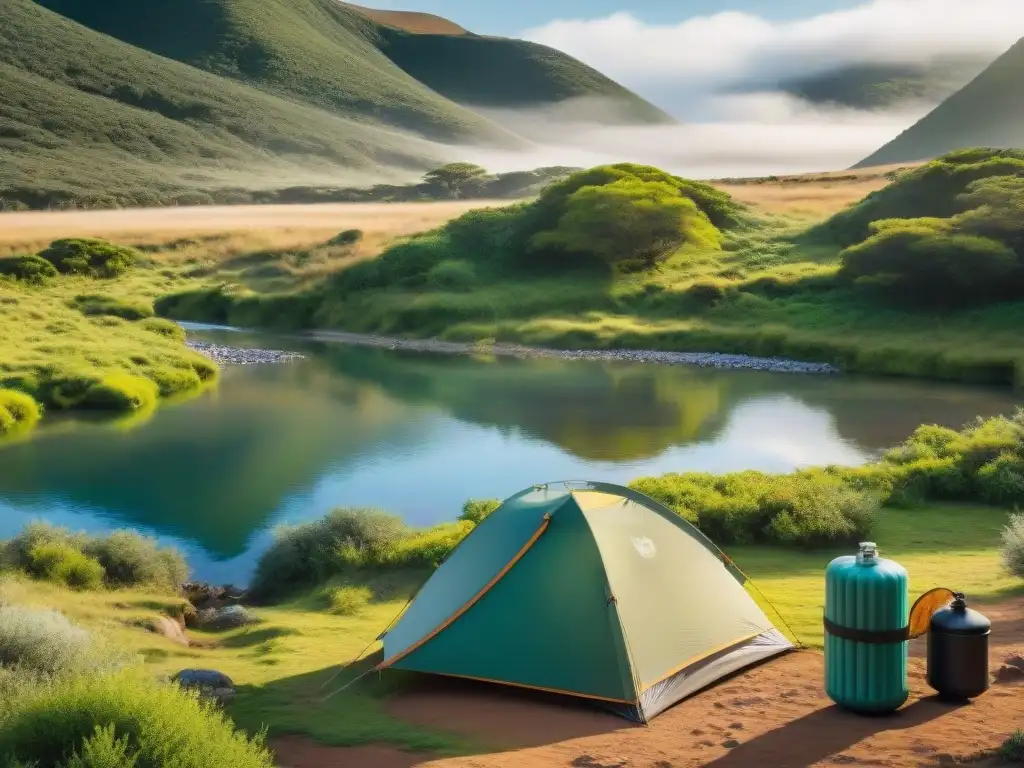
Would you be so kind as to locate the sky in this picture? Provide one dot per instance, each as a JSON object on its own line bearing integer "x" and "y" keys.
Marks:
{"x": 489, "y": 17}
{"x": 715, "y": 66}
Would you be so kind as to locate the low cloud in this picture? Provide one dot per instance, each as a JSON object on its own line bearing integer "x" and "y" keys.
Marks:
{"x": 713, "y": 54}
{"x": 717, "y": 74}
{"x": 753, "y": 135}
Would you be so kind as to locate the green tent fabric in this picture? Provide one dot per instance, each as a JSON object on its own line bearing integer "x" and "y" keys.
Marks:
{"x": 590, "y": 590}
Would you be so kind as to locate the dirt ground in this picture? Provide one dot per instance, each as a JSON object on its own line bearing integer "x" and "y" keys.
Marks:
{"x": 775, "y": 715}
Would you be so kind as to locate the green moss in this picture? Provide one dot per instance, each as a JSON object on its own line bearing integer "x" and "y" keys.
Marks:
{"x": 90, "y": 257}
{"x": 28, "y": 268}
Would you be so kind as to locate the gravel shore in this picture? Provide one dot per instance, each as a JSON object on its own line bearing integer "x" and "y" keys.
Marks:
{"x": 239, "y": 356}
{"x": 702, "y": 359}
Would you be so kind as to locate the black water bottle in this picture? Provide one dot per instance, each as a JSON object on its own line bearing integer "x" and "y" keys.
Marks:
{"x": 958, "y": 651}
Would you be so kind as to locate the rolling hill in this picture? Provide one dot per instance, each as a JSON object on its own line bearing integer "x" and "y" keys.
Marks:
{"x": 124, "y": 103}
{"x": 883, "y": 86}
{"x": 339, "y": 58}
{"x": 987, "y": 112}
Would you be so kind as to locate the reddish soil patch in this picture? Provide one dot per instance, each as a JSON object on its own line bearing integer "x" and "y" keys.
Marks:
{"x": 774, "y": 715}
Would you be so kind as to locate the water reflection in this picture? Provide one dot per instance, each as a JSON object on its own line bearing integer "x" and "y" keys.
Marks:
{"x": 419, "y": 434}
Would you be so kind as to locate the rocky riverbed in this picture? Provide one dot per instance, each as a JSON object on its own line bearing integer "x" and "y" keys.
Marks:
{"x": 242, "y": 356}
{"x": 702, "y": 359}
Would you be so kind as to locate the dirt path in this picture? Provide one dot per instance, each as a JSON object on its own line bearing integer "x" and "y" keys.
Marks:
{"x": 775, "y": 715}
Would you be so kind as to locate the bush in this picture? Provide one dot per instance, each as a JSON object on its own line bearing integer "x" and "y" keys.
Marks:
{"x": 926, "y": 260}
{"x": 1013, "y": 545}
{"x": 313, "y": 552}
{"x": 810, "y": 508}
{"x": 90, "y": 257}
{"x": 125, "y": 558}
{"x": 160, "y": 725}
{"x": 66, "y": 565}
{"x": 28, "y": 268}
{"x": 1013, "y": 747}
{"x": 98, "y": 304}
{"x": 475, "y": 510}
{"x": 18, "y": 412}
{"x": 452, "y": 276}
{"x": 347, "y": 600}
{"x": 129, "y": 559}
{"x": 347, "y": 237}
{"x": 121, "y": 392}
{"x": 627, "y": 221}
{"x": 44, "y": 643}
{"x": 162, "y": 327}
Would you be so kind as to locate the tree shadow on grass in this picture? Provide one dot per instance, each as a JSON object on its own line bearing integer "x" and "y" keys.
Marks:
{"x": 824, "y": 734}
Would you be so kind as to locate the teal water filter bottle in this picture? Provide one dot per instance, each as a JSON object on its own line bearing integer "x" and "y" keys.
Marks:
{"x": 866, "y": 607}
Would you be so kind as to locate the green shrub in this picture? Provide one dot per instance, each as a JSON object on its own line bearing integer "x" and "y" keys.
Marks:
{"x": 810, "y": 508}
{"x": 1013, "y": 747}
{"x": 43, "y": 643}
{"x": 347, "y": 599}
{"x": 28, "y": 268}
{"x": 104, "y": 749}
{"x": 475, "y": 510}
{"x": 120, "y": 392}
{"x": 18, "y": 412}
{"x": 452, "y": 276}
{"x": 313, "y": 552}
{"x": 925, "y": 260}
{"x": 90, "y": 257}
{"x": 172, "y": 381}
{"x": 130, "y": 559}
{"x": 203, "y": 305}
{"x": 163, "y": 327}
{"x": 125, "y": 558}
{"x": 346, "y": 237}
{"x": 1013, "y": 545}
{"x": 99, "y": 304}
{"x": 66, "y": 565}
{"x": 161, "y": 725}
{"x": 627, "y": 221}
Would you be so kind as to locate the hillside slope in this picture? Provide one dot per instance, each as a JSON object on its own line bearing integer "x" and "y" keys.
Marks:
{"x": 411, "y": 21}
{"x": 82, "y": 114}
{"x": 987, "y": 112}
{"x": 338, "y": 58}
{"x": 883, "y": 86}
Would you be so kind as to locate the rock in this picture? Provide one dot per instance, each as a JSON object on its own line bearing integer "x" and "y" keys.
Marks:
{"x": 202, "y": 595}
{"x": 236, "y": 356}
{"x": 210, "y": 683}
{"x": 1012, "y": 670}
{"x": 169, "y": 628}
{"x": 231, "y": 617}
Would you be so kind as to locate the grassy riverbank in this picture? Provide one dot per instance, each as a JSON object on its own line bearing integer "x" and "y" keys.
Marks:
{"x": 729, "y": 279}
{"x": 326, "y": 589}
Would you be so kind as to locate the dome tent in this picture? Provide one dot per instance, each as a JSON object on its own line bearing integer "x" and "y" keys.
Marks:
{"x": 589, "y": 590}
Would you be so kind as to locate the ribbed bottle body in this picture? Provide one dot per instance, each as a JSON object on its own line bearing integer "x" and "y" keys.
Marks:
{"x": 872, "y": 596}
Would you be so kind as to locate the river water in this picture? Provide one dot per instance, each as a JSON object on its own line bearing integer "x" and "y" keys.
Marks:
{"x": 417, "y": 434}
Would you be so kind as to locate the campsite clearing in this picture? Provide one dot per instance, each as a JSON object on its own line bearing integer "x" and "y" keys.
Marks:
{"x": 287, "y": 665}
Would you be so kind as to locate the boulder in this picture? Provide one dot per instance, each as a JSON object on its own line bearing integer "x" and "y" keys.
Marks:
{"x": 211, "y": 684}
{"x": 203, "y": 595}
{"x": 1012, "y": 670}
{"x": 169, "y": 628}
{"x": 230, "y": 617}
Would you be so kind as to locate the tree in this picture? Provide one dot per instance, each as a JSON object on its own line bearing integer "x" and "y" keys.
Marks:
{"x": 628, "y": 221}
{"x": 454, "y": 178}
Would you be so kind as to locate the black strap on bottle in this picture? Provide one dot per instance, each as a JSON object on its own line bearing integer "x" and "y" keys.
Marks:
{"x": 878, "y": 637}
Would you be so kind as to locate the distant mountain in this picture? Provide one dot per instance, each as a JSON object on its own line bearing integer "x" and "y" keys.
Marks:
{"x": 883, "y": 86}
{"x": 122, "y": 102}
{"x": 987, "y": 112}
